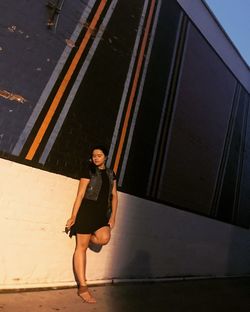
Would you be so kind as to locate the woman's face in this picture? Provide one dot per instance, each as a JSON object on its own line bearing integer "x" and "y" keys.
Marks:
{"x": 98, "y": 158}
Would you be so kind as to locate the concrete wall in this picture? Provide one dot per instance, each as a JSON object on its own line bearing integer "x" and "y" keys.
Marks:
{"x": 150, "y": 240}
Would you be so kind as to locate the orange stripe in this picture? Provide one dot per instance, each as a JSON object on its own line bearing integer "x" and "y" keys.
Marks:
{"x": 64, "y": 83}
{"x": 134, "y": 86}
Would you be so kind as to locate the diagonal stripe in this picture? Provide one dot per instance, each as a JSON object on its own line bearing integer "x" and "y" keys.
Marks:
{"x": 127, "y": 83}
{"x": 43, "y": 98}
{"x": 134, "y": 86}
{"x": 77, "y": 83}
{"x": 65, "y": 83}
{"x": 138, "y": 101}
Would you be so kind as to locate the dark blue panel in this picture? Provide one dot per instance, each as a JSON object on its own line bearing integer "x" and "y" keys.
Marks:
{"x": 199, "y": 126}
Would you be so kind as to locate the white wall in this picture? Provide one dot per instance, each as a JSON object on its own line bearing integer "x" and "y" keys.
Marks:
{"x": 150, "y": 240}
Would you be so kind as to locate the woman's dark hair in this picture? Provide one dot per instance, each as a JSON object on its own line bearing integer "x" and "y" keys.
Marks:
{"x": 99, "y": 147}
{"x": 92, "y": 167}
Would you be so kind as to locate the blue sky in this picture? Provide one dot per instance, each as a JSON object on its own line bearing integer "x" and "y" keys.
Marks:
{"x": 234, "y": 16}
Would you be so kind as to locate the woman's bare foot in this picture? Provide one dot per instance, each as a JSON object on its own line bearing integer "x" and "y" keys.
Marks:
{"x": 85, "y": 294}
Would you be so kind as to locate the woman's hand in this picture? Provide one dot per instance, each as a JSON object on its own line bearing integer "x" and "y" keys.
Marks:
{"x": 70, "y": 222}
{"x": 111, "y": 223}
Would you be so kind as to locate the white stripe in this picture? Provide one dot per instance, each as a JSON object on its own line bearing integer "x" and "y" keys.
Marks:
{"x": 138, "y": 101}
{"x": 77, "y": 84}
{"x": 43, "y": 98}
{"x": 126, "y": 84}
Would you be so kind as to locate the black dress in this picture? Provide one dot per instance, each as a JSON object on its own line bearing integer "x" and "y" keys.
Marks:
{"x": 93, "y": 214}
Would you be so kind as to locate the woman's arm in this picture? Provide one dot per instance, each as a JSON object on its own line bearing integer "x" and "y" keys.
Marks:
{"x": 83, "y": 183}
{"x": 114, "y": 204}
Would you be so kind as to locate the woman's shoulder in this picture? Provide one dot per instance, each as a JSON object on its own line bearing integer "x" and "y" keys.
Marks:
{"x": 111, "y": 172}
{"x": 85, "y": 172}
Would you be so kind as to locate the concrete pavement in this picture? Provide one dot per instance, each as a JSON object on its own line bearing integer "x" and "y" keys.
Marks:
{"x": 208, "y": 295}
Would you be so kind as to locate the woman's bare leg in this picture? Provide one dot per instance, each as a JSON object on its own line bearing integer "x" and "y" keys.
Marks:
{"x": 82, "y": 242}
{"x": 101, "y": 236}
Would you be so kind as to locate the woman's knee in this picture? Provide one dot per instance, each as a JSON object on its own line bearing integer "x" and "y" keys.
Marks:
{"x": 81, "y": 247}
{"x": 103, "y": 237}
{"x": 82, "y": 243}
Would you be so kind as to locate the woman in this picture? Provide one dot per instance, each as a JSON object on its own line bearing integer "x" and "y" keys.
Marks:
{"x": 90, "y": 220}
